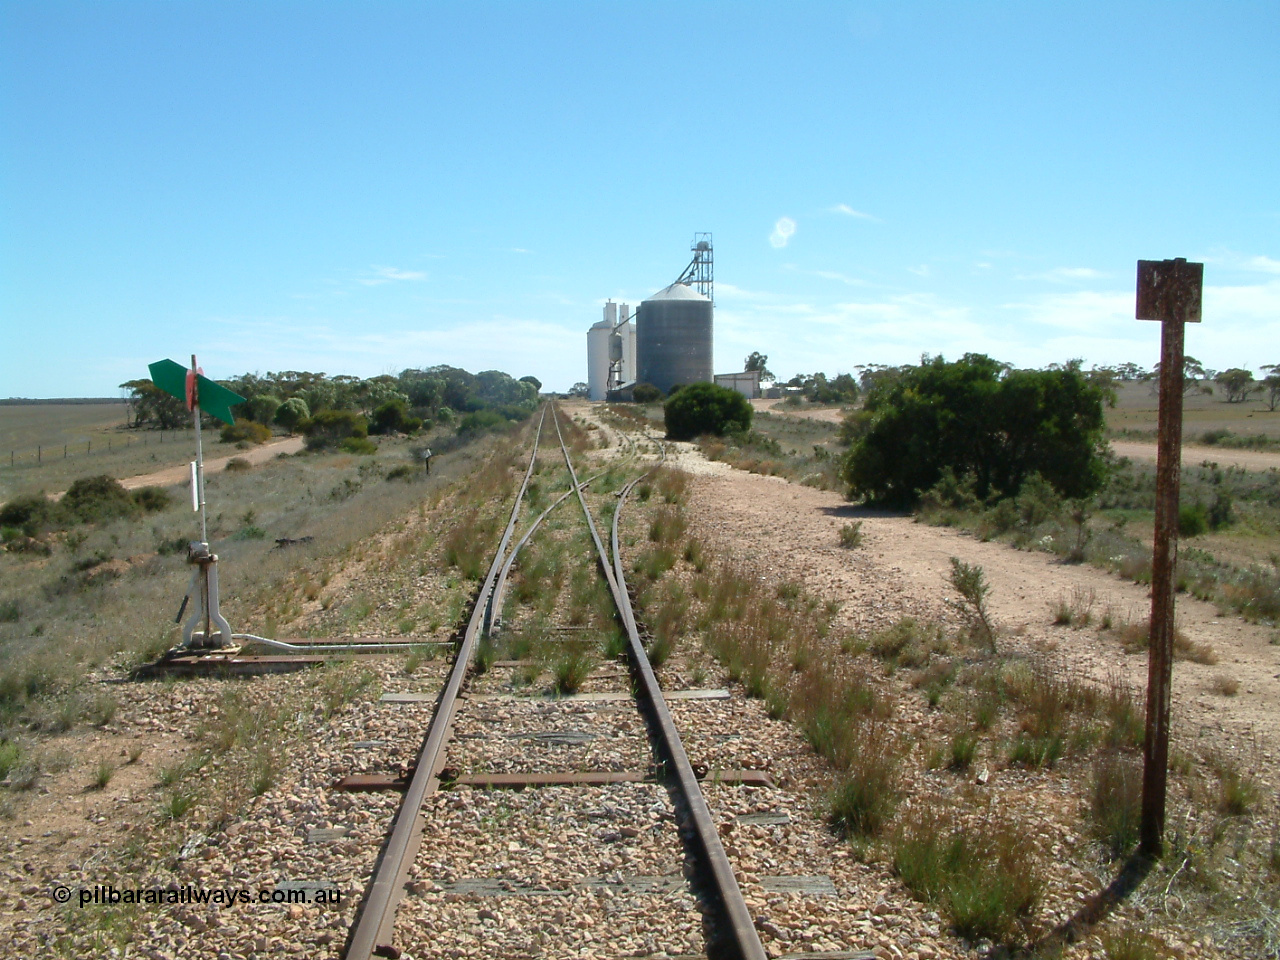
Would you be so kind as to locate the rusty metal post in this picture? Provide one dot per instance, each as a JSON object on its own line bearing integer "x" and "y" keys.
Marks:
{"x": 1168, "y": 291}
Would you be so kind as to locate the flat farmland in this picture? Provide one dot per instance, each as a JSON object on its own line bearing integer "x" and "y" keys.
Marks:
{"x": 46, "y": 446}
{"x": 1137, "y": 405}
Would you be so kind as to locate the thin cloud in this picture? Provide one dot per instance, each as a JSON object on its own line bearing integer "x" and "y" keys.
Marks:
{"x": 828, "y": 275}
{"x": 1263, "y": 264}
{"x": 848, "y": 211}
{"x": 920, "y": 271}
{"x": 783, "y": 231}
{"x": 383, "y": 275}
{"x": 1086, "y": 310}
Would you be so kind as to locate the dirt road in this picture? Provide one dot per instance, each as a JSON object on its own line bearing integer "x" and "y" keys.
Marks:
{"x": 172, "y": 476}
{"x": 902, "y": 569}
{"x": 1194, "y": 455}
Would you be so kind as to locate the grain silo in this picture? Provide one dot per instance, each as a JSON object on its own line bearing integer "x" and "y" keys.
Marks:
{"x": 673, "y": 338}
{"x": 598, "y": 344}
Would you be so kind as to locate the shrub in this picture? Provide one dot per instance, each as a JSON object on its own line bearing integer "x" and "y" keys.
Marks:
{"x": 393, "y": 417}
{"x": 360, "y": 445}
{"x": 151, "y": 499}
{"x": 329, "y": 427}
{"x": 1193, "y": 520}
{"x": 238, "y": 465}
{"x": 481, "y": 421}
{"x": 27, "y": 514}
{"x": 851, "y": 535}
{"x": 976, "y": 416}
{"x": 246, "y": 431}
{"x": 93, "y": 499}
{"x": 970, "y": 582}
{"x": 706, "y": 408}
{"x": 646, "y": 393}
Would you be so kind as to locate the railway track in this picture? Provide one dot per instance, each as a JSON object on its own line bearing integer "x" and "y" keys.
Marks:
{"x": 605, "y": 770}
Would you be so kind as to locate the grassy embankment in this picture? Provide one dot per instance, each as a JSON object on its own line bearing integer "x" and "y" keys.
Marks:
{"x": 86, "y": 601}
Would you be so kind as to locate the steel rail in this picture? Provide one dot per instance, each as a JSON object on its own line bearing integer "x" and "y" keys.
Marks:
{"x": 374, "y": 928}
{"x": 740, "y": 940}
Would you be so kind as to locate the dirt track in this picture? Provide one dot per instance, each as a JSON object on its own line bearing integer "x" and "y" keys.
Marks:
{"x": 903, "y": 568}
{"x": 1194, "y": 455}
{"x": 172, "y": 476}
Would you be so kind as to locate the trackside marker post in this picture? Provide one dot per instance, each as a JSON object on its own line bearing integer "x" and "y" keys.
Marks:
{"x": 1168, "y": 291}
{"x": 192, "y": 387}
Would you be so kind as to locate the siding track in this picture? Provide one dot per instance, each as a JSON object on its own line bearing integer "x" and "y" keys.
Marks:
{"x": 631, "y": 754}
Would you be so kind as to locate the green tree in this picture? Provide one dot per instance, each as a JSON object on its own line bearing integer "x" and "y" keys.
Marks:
{"x": 1271, "y": 383}
{"x": 393, "y": 417}
{"x": 579, "y": 389}
{"x": 706, "y": 408}
{"x": 977, "y": 417}
{"x": 329, "y": 427}
{"x": 1238, "y": 383}
{"x": 152, "y": 405}
{"x": 263, "y": 407}
{"x": 291, "y": 413}
{"x": 758, "y": 361}
{"x": 537, "y": 384}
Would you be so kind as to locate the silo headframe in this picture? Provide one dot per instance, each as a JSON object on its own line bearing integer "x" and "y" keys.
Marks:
{"x": 700, "y": 273}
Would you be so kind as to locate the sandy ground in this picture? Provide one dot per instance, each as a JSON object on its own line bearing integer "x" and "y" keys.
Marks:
{"x": 903, "y": 568}
{"x": 826, "y": 414}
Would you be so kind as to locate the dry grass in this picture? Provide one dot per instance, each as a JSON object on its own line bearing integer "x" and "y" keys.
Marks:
{"x": 1225, "y": 685}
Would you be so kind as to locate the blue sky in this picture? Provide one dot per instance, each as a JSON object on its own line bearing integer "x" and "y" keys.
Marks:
{"x": 362, "y": 187}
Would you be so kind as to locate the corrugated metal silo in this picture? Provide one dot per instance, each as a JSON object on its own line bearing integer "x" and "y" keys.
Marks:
{"x": 673, "y": 338}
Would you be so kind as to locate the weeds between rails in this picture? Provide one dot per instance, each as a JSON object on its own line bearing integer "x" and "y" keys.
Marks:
{"x": 571, "y": 667}
{"x": 982, "y": 862}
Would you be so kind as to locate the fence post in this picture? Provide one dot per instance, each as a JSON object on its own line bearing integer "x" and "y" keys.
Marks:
{"x": 39, "y": 454}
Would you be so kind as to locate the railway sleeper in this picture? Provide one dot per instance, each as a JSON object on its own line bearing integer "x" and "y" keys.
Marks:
{"x": 449, "y": 779}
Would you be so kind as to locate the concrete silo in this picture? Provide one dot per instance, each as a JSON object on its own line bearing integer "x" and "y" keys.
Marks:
{"x": 598, "y": 338}
{"x": 673, "y": 338}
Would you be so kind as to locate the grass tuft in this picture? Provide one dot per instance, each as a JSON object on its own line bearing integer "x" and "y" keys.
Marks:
{"x": 1115, "y": 803}
{"x": 981, "y": 875}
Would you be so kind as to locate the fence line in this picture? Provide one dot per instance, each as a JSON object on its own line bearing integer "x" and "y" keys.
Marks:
{"x": 70, "y": 451}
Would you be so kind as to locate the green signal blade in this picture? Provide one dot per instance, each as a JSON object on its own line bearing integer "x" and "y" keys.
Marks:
{"x": 216, "y": 400}
{"x": 170, "y": 377}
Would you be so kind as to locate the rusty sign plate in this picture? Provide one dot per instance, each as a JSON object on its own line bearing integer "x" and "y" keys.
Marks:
{"x": 1169, "y": 290}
